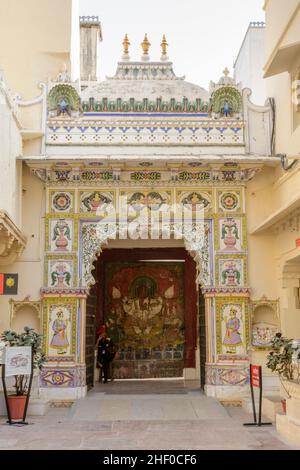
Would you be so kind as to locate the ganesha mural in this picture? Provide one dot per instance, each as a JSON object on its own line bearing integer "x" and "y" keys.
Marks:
{"x": 144, "y": 309}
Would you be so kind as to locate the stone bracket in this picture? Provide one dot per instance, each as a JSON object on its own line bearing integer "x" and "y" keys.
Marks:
{"x": 12, "y": 241}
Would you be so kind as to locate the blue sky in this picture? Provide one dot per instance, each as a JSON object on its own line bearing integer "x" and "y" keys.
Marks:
{"x": 204, "y": 36}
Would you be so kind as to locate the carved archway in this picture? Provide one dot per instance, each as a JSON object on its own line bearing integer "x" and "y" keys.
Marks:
{"x": 197, "y": 242}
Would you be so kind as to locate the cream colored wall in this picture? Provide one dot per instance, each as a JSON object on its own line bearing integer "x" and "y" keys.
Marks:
{"x": 30, "y": 265}
{"x": 26, "y": 316}
{"x": 282, "y": 30}
{"x": 11, "y": 147}
{"x": 287, "y": 136}
{"x": 278, "y": 16}
{"x": 271, "y": 249}
{"x": 283, "y": 194}
{"x": 272, "y": 193}
{"x": 261, "y": 259}
{"x": 36, "y": 39}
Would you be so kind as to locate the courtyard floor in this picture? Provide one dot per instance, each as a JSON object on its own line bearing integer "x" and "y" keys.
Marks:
{"x": 142, "y": 415}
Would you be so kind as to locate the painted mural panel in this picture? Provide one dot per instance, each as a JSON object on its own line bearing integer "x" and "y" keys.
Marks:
{"x": 231, "y": 272}
{"x": 263, "y": 334}
{"x": 96, "y": 202}
{"x": 61, "y": 235}
{"x": 154, "y": 200}
{"x": 60, "y": 325}
{"x": 195, "y": 200}
{"x": 230, "y": 235}
{"x": 232, "y": 328}
{"x": 61, "y": 273}
{"x": 144, "y": 311}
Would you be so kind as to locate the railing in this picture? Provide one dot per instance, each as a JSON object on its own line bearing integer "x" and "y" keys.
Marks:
{"x": 89, "y": 19}
{"x": 257, "y": 24}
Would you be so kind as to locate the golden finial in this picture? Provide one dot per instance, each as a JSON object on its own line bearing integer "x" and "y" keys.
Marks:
{"x": 164, "y": 45}
{"x": 145, "y": 45}
{"x": 126, "y": 45}
{"x": 226, "y": 72}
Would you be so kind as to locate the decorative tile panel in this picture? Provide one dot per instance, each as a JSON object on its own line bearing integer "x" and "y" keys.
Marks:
{"x": 60, "y": 235}
{"x": 96, "y": 202}
{"x": 164, "y": 133}
{"x": 229, "y": 201}
{"x": 227, "y": 375}
{"x": 232, "y": 321}
{"x": 62, "y": 201}
{"x": 231, "y": 235}
{"x": 62, "y": 272}
{"x": 231, "y": 272}
{"x": 195, "y": 200}
{"x": 60, "y": 327}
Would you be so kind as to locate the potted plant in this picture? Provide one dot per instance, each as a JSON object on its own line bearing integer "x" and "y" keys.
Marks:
{"x": 29, "y": 337}
{"x": 281, "y": 359}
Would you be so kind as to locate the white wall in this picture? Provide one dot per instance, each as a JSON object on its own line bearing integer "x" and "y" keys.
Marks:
{"x": 249, "y": 64}
{"x": 75, "y": 41}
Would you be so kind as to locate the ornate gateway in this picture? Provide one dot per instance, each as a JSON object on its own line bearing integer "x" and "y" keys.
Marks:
{"x": 181, "y": 165}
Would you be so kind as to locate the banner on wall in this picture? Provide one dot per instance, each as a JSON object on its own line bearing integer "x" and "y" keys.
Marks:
{"x": 8, "y": 284}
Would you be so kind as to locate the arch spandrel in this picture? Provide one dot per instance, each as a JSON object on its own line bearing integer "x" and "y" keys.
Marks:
{"x": 95, "y": 236}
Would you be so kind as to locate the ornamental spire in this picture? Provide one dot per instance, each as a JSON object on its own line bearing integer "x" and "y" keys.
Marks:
{"x": 126, "y": 45}
{"x": 145, "y": 46}
{"x": 164, "y": 45}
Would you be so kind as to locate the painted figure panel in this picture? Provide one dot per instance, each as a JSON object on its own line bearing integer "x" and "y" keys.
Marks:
{"x": 59, "y": 330}
{"x": 232, "y": 330}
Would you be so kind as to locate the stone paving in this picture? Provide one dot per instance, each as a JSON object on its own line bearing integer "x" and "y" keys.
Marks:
{"x": 142, "y": 415}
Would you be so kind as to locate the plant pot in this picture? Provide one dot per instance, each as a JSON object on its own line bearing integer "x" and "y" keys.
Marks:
{"x": 16, "y": 406}
{"x": 283, "y": 404}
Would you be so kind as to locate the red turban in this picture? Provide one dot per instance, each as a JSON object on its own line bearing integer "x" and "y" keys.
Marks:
{"x": 101, "y": 330}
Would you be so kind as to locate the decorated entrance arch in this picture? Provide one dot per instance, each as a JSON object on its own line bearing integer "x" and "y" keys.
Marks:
{"x": 158, "y": 150}
{"x": 75, "y": 236}
{"x": 94, "y": 236}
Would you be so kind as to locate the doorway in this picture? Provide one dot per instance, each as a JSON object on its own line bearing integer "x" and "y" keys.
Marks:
{"x": 148, "y": 299}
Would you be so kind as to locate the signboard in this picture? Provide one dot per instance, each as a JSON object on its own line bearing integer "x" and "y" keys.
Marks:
{"x": 255, "y": 374}
{"x": 18, "y": 360}
{"x": 2, "y": 352}
{"x": 256, "y": 382}
{"x": 8, "y": 284}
